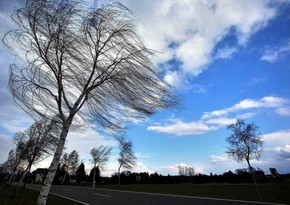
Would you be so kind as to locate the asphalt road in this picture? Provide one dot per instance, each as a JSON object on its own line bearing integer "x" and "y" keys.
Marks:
{"x": 90, "y": 196}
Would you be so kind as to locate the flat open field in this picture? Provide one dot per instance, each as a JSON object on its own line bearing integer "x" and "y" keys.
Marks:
{"x": 278, "y": 193}
{"x": 29, "y": 197}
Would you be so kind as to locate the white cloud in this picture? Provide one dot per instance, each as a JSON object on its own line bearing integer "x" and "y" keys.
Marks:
{"x": 181, "y": 128}
{"x": 219, "y": 159}
{"x": 283, "y": 111}
{"x": 265, "y": 102}
{"x": 211, "y": 121}
{"x": 223, "y": 121}
{"x": 225, "y": 53}
{"x": 176, "y": 29}
{"x": 273, "y": 54}
{"x": 276, "y": 139}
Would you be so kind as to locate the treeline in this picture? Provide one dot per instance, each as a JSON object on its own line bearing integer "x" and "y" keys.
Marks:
{"x": 240, "y": 176}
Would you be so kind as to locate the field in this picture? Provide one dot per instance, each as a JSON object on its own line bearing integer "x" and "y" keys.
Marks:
{"x": 29, "y": 197}
{"x": 279, "y": 193}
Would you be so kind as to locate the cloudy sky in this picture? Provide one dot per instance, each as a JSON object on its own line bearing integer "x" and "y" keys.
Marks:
{"x": 227, "y": 59}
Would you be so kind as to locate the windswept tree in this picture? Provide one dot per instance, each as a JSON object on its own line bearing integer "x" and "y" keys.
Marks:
{"x": 127, "y": 158}
{"x": 100, "y": 156}
{"x": 245, "y": 144}
{"x": 41, "y": 140}
{"x": 16, "y": 156}
{"x": 70, "y": 163}
{"x": 72, "y": 61}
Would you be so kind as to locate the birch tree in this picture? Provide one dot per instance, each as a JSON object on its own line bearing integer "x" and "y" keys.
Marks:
{"x": 88, "y": 64}
{"x": 40, "y": 143}
{"x": 16, "y": 156}
{"x": 245, "y": 145}
{"x": 100, "y": 156}
{"x": 127, "y": 158}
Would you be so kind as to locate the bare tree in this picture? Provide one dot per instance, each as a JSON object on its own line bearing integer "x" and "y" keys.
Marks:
{"x": 40, "y": 143}
{"x": 17, "y": 156}
{"x": 100, "y": 156}
{"x": 245, "y": 144}
{"x": 70, "y": 162}
{"x": 89, "y": 63}
{"x": 127, "y": 158}
{"x": 186, "y": 171}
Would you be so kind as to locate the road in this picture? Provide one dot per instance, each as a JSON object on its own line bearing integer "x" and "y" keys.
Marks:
{"x": 90, "y": 196}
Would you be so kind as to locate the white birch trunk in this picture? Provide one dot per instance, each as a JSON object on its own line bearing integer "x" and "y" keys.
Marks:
{"x": 42, "y": 199}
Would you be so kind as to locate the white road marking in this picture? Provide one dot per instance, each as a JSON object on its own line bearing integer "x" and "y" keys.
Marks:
{"x": 192, "y": 197}
{"x": 102, "y": 195}
{"x": 69, "y": 198}
{"x": 66, "y": 189}
{"x": 80, "y": 202}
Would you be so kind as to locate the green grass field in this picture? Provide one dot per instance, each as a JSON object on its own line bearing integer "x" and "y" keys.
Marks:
{"x": 270, "y": 192}
{"x": 29, "y": 197}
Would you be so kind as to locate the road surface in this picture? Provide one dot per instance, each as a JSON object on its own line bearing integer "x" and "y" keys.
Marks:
{"x": 90, "y": 196}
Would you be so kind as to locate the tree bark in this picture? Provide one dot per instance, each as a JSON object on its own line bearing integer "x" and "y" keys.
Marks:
{"x": 42, "y": 199}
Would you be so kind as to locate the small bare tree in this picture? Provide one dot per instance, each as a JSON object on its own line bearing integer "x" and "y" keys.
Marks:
{"x": 245, "y": 145}
{"x": 70, "y": 162}
{"x": 127, "y": 158}
{"x": 16, "y": 156}
{"x": 100, "y": 156}
{"x": 39, "y": 141}
{"x": 89, "y": 63}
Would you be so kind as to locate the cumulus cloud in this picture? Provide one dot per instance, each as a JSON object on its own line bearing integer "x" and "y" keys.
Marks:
{"x": 211, "y": 121}
{"x": 181, "y": 128}
{"x": 177, "y": 31}
{"x": 265, "y": 102}
{"x": 273, "y": 54}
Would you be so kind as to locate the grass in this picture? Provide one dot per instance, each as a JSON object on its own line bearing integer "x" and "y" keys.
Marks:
{"x": 29, "y": 197}
{"x": 274, "y": 193}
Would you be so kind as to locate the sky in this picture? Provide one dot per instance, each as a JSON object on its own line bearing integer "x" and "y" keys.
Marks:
{"x": 226, "y": 59}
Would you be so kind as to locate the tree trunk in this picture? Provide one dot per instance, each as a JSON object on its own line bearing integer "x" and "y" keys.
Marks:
{"x": 63, "y": 179}
{"x": 94, "y": 178}
{"x": 53, "y": 166}
{"x": 119, "y": 176}
{"x": 254, "y": 178}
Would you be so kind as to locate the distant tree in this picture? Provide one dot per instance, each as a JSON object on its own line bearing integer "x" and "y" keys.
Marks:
{"x": 40, "y": 142}
{"x": 245, "y": 144}
{"x": 86, "y": 62}
{"x": 127, "y": 158}
{"x": 16, "y": 156}
{"x": 95, "y": 175}
{"x": 81, "y": 174}
{"x": 70, "y": 163}
{"x": 186, "y": 171}
{"x": 100, "y": 156}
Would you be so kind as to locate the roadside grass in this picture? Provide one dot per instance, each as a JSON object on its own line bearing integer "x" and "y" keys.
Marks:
{"x": 275, "y": 193}
{"x": 29, "y": 197}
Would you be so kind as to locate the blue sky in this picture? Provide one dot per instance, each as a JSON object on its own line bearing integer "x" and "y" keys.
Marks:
{"x": 227, "y": 60}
